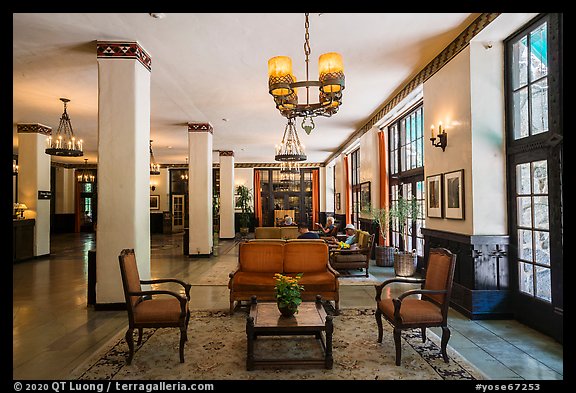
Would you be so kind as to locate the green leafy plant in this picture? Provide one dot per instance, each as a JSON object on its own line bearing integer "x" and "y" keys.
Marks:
{"x": 380, "y": 217}
{"x": 243, "y": 202}
{"x": 288, "y": 291}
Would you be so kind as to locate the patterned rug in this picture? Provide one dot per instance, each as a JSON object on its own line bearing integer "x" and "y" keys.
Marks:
{"x": 216, "y": 350}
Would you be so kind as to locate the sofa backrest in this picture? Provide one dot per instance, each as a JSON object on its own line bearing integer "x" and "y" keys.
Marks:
{"x": 289, "y": 232}
{"x": 267, "y": 233}
{"x": 261, "y": 257}
{"x": 305, "y": 257}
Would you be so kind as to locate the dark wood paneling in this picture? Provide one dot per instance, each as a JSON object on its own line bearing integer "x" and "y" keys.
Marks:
{"x": 481, "y": 277}
{"x": 23, "y": 239}
{"x": 63, "y": 223}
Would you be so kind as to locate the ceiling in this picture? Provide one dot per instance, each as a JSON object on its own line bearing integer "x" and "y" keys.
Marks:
{"x": 212, "y": 67}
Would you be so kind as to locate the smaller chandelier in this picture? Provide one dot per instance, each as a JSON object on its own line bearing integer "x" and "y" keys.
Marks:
{"x": 290, "y": 149}
{"x": 184, "y": 176}
{"x": 154, "y": 167}
{"x": 282, "y": 85}
{"x": 288, "y": 171}
{"x": 64, "y": 143}
{"x": 85, "y": 175}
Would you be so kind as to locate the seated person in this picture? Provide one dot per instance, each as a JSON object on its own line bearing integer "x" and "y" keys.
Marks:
{"x": 287, "y": 220}
{"x": 326, "y": 231}
{"x": 351, "y": 236}
{"x": 305, "y": 233}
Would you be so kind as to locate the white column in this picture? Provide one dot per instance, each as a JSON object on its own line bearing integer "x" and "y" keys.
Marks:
{"x": 65, "y": 191}
{"x": 123, "y": 164}
{"x": 201, "y": 238}
{"x": 227, "y": 230}
{"x": 34, "y": 176}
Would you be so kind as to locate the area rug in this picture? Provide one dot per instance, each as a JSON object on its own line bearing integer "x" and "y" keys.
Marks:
{"x": 216, "y": 350}
{"x": 359, "y": 279}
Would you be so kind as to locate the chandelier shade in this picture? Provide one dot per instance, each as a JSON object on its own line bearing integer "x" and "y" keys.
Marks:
{"x": 63, "y": 142}
{"x": 290, "y": 149}
{"x": 154, "y": 167}
{"x": 282, "y": 85}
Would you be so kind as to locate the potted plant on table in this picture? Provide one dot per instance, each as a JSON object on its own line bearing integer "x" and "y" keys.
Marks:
{"x": 288, "y": 293}
{"x": 384, "y": 253}
{"x": 402, "y": 213}
{"x": 243, "y": 202}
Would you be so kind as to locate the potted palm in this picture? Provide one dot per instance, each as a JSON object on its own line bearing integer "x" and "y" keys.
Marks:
{"x": 384, "y": 253}
{"x": 403, "y": 212}
{"x": 243, "y": 202}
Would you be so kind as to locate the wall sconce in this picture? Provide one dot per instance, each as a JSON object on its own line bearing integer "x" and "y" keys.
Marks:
{"x": 152, "y": 187}
{"x": 442, "y": 137}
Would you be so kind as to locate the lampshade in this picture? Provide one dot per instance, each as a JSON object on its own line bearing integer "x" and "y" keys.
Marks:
{"x": 331, "y": 72}
{"x": 280, "y": 76}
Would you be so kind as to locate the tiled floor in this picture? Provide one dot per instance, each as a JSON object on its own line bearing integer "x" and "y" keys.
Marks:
{"x": 54, "y": 330}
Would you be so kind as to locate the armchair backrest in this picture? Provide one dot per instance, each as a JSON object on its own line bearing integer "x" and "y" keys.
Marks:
{"x": 130, "y": 276}
{"x": 440, "y": 274}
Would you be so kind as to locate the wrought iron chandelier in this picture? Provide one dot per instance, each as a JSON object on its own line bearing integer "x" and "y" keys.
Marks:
{"x": 64, "y": 143}
{"x": 283, "y": 86}
{"x": 154, "y": 167}
{"x": 288, "y": 171}
{"x": 290, "y": 149}
{"x": 85, "y": 175}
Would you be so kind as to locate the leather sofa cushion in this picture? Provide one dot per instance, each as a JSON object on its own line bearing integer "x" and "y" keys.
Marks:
{"x": 305, "y": 257}
{"x": 318, "y": 282}
{"x": 261, "y": 257}
{"x": 412, "y": 311}
{"x": 158, "y": 310}
{"x": 250, "y": 281}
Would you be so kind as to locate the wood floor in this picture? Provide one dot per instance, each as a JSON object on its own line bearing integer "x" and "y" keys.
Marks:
{"x": 54, "y": 330}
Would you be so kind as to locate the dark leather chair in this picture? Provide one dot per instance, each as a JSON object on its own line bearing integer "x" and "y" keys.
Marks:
{"x": 147, "y": 311}
{"x": 430, "y": 310}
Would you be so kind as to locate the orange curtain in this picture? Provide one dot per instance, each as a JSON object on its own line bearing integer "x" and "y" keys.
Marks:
{"x": 348, "y": 189}
{"x": 384, "y": 193}
{"x": 257, "y": 198}
{"x": 315, "y": 196}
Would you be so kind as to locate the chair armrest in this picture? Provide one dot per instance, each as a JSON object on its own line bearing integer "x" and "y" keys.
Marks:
{"x": 398, "y": 301}
{"x": 183, "y": 301}
{"x": 232, "y": 273}
{"x": 333, "y": 271}
{"x": 165, "y": 280}
{"x": 380, "y": 287}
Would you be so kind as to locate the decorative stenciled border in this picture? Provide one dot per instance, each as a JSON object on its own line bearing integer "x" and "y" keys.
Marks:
{"x": 123, "y": 50}
{"x": 226, "y": 153}
{"x": 200, "y": 127}
{"x": 34, "y": 128}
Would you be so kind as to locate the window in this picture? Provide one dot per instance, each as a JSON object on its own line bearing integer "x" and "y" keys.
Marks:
{"x": 355, "y": 186}
{"x": 406, "y": 178}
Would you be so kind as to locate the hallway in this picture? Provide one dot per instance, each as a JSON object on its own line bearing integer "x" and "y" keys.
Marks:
{"x": 54, "y": 330}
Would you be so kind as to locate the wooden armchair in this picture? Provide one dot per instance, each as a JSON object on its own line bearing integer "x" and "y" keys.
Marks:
{"x": 428, "y": 311}
{"x": 354, "y": 258}
{"x": 146, "y": 311}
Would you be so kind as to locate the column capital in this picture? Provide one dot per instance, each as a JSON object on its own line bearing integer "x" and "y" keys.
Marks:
{"x": 34, "y": 128}
{"x": 123, "y": 50}
{"x": 200, "y": 127}
{"x": 226, "y": 153}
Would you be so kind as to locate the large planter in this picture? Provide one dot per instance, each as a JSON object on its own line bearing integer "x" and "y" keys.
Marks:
{"x": 244, "y": 232}
{"x": 287, "y": 311}
{"x": 405, "y": 263}
{"x": 384, "y": 256}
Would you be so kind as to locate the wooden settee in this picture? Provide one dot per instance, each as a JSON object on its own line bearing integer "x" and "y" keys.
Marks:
{"x": 258, "y": 261}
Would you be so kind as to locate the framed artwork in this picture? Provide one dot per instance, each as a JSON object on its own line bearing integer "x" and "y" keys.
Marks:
{"x": 454, "y": 195}
{"x": 337, "y": 201}
{"x": 365, "y": 196}
{"x": 434, "y": 196}
{"x": 154, "y": 202}
{"x": 236, "y": 207}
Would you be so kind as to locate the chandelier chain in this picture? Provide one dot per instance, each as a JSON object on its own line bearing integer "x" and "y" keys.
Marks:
{"x": 307, "y": 52}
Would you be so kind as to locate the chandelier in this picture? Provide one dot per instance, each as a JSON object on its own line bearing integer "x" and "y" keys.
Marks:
{"x": 184, "y": 176}
{"x": 14, "y": 167}
{"x": 288, "y": 171}
{"x": 85, "y": 175}
{"x": 154, "y": 167}
{"x": 290, "y": 149}
{"x": 283, "y": 86}
{"x": 64, "y": 143}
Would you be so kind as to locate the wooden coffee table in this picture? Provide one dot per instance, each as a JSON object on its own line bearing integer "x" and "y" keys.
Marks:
{"x": 265, "y": 320}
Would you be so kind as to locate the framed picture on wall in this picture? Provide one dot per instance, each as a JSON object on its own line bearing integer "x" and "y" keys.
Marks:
{"x": 434, "y": 196}
{"x": 454, "y": 195}
{"x": 365, "y": 197}
{"x": 337, "y": 201}
{"x": 154, "y": 202}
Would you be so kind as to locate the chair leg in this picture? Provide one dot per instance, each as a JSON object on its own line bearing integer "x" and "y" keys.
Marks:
{"x": 378, "y": 316}
{"x": 232, "y": 307}
{"x": 183, "y": 339}
{"x": 337, "y": 306}
{"x": 140, "y": 331}
{"x": 130, "y": 340}
{"x": 444, "y": 342}
{"x": 423, "y": 334}
{"x": 398, "y": 345}
{"x": 366, "y": 270}
{"x": 187, "y": 321}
